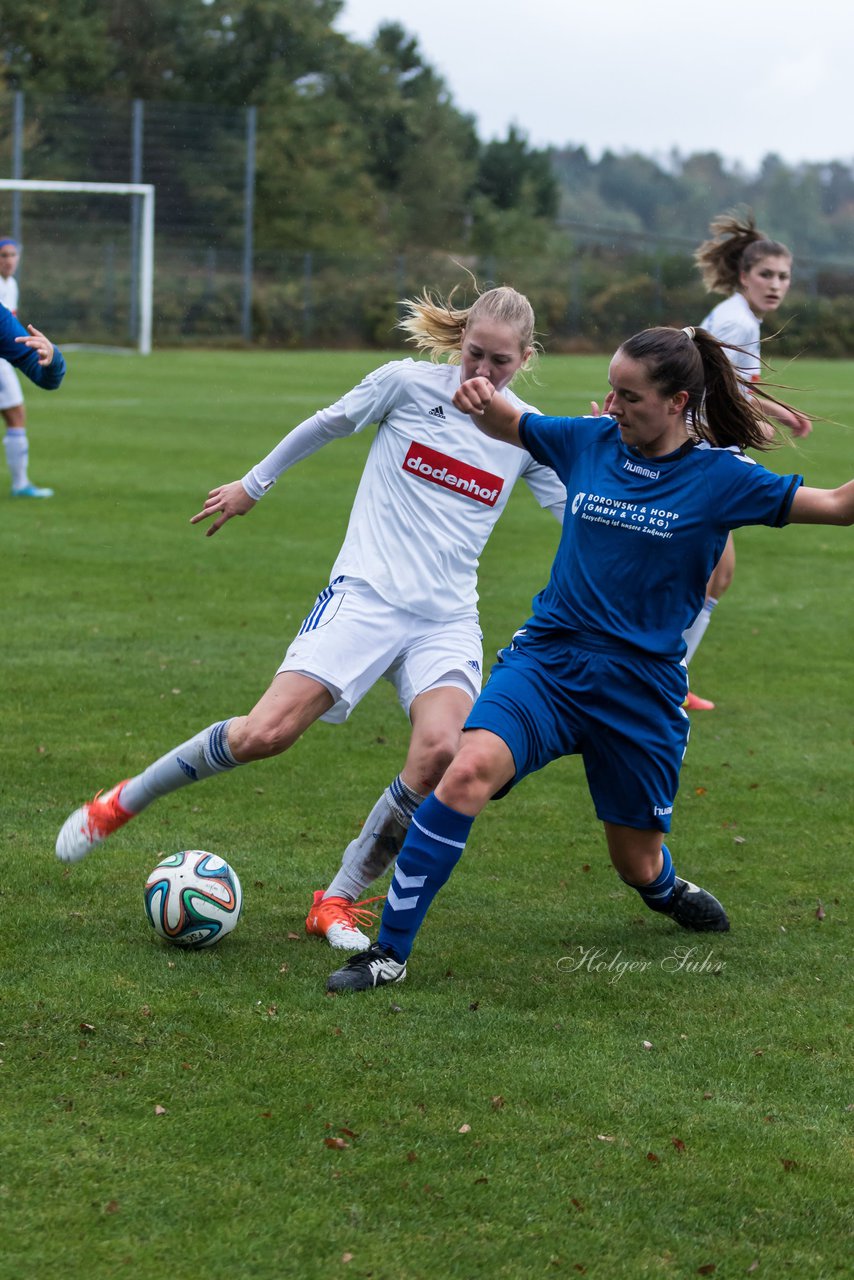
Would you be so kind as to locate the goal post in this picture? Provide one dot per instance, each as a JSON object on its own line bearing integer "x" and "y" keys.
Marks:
{"x": 144, "y": 190}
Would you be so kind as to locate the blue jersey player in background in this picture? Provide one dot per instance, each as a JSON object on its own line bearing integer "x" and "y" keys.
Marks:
{"x": 653, "y": 488}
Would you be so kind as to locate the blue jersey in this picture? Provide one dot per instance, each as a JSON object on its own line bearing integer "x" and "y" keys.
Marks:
{"x": 48, "y": 377}
{"x": 640, "y": 535}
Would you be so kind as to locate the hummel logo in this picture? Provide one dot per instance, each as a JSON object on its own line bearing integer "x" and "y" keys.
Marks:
{"x": 438, "y": 412}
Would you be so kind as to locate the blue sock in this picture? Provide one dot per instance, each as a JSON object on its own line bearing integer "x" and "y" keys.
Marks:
{"x": 433, "y": 847}
{"x": 657, "y": 895}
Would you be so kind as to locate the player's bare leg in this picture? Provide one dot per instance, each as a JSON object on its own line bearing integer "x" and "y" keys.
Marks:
{"x": 282, "y": 714}
{"x": 719, "y": 582}
{"x": 642, "y": 860}
{"x": 437, "y": 717}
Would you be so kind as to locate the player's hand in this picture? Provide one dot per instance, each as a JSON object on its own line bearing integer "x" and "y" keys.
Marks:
{"x": 39, "y": 343}
{"x": 606, "y": 407}
{"x": 800, "y": 426}
{"x": 224, "y": 502}
{"x": 472, "y": 397}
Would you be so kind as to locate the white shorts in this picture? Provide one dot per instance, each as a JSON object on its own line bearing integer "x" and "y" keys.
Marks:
{"x": 11, "y": 394}
{"x": 352, "y": 638}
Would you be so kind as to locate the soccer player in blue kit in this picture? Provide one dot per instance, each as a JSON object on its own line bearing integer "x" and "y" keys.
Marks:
{"x": 653, "y": 488}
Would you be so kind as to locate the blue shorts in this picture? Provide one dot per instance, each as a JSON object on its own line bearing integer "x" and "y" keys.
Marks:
{"x": 621, "y": 712}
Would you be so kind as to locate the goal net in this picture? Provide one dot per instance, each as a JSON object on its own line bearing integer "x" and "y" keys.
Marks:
{"x": 87, "y": 260}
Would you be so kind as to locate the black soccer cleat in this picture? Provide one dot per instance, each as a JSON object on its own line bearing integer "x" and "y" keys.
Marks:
{"x": 696, "y": 908}
{"x": 372, "y": 968}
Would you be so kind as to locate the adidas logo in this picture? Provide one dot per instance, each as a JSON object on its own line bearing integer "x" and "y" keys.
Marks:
{"x": 438, "y": 412}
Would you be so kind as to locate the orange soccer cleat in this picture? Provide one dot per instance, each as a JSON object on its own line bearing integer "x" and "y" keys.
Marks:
{"x": 90, "y": 825}
{"x": 337, "y": 920}
{"x": 693, "y": 703}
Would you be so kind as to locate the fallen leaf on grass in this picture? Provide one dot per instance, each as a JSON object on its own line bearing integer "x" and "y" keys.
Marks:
{"x": 820, "y": 911}
{"x": 86, "y": 1028}
{"x": 604, "y": 1137}
{"x": 111, "y": 1207}
{"x": 478, "y": 1181}
{"x": 652, "y": 1157}
{"x": 464, "y": 1128}
{"x": 411, "y": 1157}
{"x": 294, "y": 937}
{"x": 346, "y": 1257}
{"x": 788, "y": 1165}
{"x": 678, "y": 1144}
{"x": 707, "y": 1269}
{"x": 579, "y": 1206}
{"x": 754, "y": 1264}
{"x": 647, "y": 1044}
{"x": 336, "y": 1144}
{"x": 497, "y": 1102}
{"x": 159, "y": 1111}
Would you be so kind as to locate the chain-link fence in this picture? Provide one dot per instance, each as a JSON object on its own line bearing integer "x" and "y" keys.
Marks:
{"x": 78, "y": 273}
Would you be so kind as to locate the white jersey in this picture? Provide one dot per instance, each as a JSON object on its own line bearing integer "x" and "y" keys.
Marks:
{"x": 9, "y": 293}
{"x": 11, "y": 394}
{"x": 733, "y": 322}
{"x": 431, "y": 491}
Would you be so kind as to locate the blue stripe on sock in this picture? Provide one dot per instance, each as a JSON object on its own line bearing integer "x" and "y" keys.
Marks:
{"x": 403, "y": 797}
{"x": 216, "y": 748}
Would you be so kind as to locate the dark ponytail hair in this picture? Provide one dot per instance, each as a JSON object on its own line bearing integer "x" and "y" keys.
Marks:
{"x": 720, "y": 408}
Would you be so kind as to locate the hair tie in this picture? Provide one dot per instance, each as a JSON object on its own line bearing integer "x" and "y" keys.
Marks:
{"x": 689, "y": 332}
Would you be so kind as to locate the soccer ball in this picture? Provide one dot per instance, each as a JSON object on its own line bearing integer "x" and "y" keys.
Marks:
{"x": 193, "y": 898}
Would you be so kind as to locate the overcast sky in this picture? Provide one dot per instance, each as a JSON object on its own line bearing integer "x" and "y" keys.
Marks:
{"x": 629, "y": 75}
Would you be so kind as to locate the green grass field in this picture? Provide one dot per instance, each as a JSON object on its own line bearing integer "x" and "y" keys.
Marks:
{"x": 562, "y": 1085}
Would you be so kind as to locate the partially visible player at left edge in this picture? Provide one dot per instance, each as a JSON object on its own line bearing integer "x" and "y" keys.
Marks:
{"x": 43, "y": 363}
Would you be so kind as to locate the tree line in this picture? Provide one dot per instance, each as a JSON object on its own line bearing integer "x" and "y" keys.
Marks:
{"x": 361, "y": 151}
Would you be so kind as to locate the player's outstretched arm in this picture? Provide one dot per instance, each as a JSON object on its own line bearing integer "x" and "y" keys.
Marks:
{"x": 225, "y": 501}
{"x": 798, "y": 424}
{"x": 823, "y": 506}
{"x": 494, "y": 415}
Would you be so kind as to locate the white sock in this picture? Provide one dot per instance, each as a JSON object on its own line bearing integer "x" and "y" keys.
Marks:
{"x": 697, "y": 629}
{"x": 17, "y": 448}
{"x": 376, "y": 847}
{"x": 198, "y": 758}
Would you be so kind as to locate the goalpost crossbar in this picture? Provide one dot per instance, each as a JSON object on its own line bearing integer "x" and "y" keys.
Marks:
{"x": 146, "y": 260}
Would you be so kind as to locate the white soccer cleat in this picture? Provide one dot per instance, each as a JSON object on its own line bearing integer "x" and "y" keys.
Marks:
{"x": 90, "y": 825}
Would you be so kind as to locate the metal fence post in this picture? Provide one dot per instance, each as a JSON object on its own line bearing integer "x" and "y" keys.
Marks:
{"x": 17, "y": 159}
{"x": 248, "y": 220}
{"x": 137, "y": 117}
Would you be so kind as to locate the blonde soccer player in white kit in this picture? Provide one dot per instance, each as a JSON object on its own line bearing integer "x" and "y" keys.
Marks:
{"x": 401, "y": 603}
{"x": 756, "y": 273}
{"x": 12, "y": 408}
